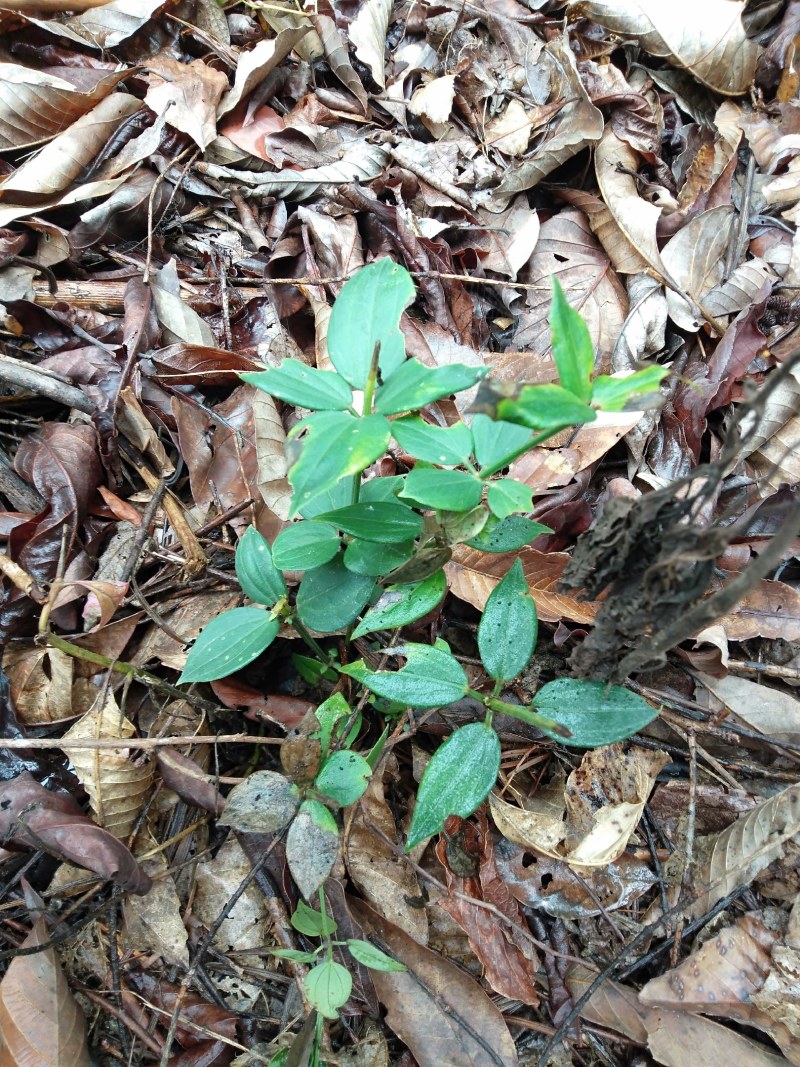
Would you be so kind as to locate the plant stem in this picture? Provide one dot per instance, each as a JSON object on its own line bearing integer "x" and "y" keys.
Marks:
{"x": 309, "y": 640}
{"x": 527, "y": 715}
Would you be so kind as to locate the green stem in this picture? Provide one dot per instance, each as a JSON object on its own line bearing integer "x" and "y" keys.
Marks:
{"x": 524, "y": 714}
{"x": 309, "y": 640}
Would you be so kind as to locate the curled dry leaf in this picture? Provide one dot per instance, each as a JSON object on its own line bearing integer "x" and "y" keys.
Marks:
{"x": 186, "y": 778}
{"x": 695, "y": 258}
{"x": 368, "y": 33}
{"x": 472, "y": 575}
{"x": 187, "y": 94}
{"x": 117, "y": 787}
{"x": 436, "y": 1009}
{"x": 710, "y": 41}
{"x": 254, "y": 66}
{"x": 41, "y": 1024}
{"x": 772, "y": 712}
{"x": 33, "y": 817}
{"x": 735, "y": 856}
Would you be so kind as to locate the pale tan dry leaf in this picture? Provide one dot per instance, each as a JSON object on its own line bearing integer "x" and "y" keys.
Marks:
{"x": 105, "y": 25}
{"x": 709, "y": 39}
{"x": 770, "y": 610}
{"x": 434, "y": 101}
{"x": 721, "y": 978}
{"x": 695, "y": 258}
{"x": 41, "y": 684}
{"x": 600, "y": 808}
{"x": 385, "y": 881}
{"x": 675, "y": 1039}
{"x": 614, "y": 160}
{"x": 775, "y": 447}
{"x": 739, "y": 290}
{"x": 36, "y": 105}
{"x": 270, "y": 442}
{"x": 512, "y": 236}
{"x": 367, "y": 31}
{"x": 187, "y": 94}
{"x": 41, "y": 1024}
{"x": 735, "y": 856}
{"x": 180, "y": 322}
{"x": 578, "y": 124}
{"x": 779, "y": 997}
{"x": 117, "y": 787}
{"x": 510, "y": 132}
{"x": 282, "y": 17}
{"x": 254, "y": 66}
{"x": 472, "y": 575}
{"x": 153, "y": 924}
{"x": 360, "y": 162}
{"x": 772, "y": 712}
{"x": 135, "y": 425}
{"x": 615, "y": 244}
{"x": 60, "y": 163}
{"x": 338, "y": 58}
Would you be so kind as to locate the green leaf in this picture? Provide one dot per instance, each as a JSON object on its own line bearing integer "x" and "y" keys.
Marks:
{"x": 508, "y": 627}
{"x": 312, "y": 670}
{"x": 337, "y": 497}
{"x": 344, "y": 777}
{"x": 368, "y": 557}
{"x": 331, "y": 596}
{"x": 369, "y": 956}
{"x": 545, "y": 408}
{"x": 229, "y": 642}
{"x": 449, "y": 447}
{"x": 619, "y": 394}
{"x": 507, "y": 535}
{"x": 450, "y": 490}
{"x": 413, "y": 385}
{"x": 572, "y": 346}
{"x": 293, "y": 954}
{"x": 312, "y": 923}
{"x": 381, "y": 489}
{"x": 457, "y": 780}
{"x": 431, "y": 676}
{"x": 401, "y": 604}
{"x": 327, "y": 986}
{"x": 597, "y": 714}
{"x": 367, "y": 311}
{"x": 497, "y": 442}
{"x": 331, "y": 711}
{"x": 507, "y": 496}
{"x": 385, "y": 522}
{"x": 335, "y": 446}
{"x": 426, "y": 561}
{"x": 258, "y": 576}
{"x": 458, "y": 526}
{"x": 295, "y": 383}
{"x": 305, "y": 545}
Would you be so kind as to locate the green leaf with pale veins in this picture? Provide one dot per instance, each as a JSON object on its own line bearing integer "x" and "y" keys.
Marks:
{"x": 596, "y": 713}
{"x": 296, "y": 383}
{"x": 508, "y": 628}
{"x": 431, "y": 676}
{"x": 386, "y": 522}
{"x": 402, "y": 604}
{"x": 459, "y": 777}
{"x": 449, "y": 490}
{"x": 413, "y": 385}
{"x": 506, "y": 497}
{"x": 258, "y": 576}
{"x": 229, "y": 642}
{"x": 305, "y": 545}
{"x": 507, "y": 535}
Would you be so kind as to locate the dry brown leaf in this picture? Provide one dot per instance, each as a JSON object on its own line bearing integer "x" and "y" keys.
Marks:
{"x": 735, "y": 856}
{"x": 709, "y": 40}
{"x": 41, "y": 684}
{"x": 117, "y": 787}
{"x": 367, "y": 31}
{"x": 472, "y": 575}
{"x": 188, "y": 95}
{"x": 153, "y": 924}
{"x": 254, "y": 66}
{"x": 512, "y": 237}
{"x": 510, "y": 132}
{"x": 779, "y": 997}
{"x": 606, "y": 229}
{"x": 721, "y": 977}
{"x": 386, "y": 881}
{"x": 338, "y": 58}
{"x": 434, "y": 101}
{"x": 775, "y": 446}
{"x": 771, "y": 609}
{"x": 105, "y": 25}
{"x": 436, "y": 1009}
{"x": 270, "y": 442}
{"x": 772, "y": 712}
{"x": 695, "y": 258}
{"x": 41, "y": 1024}
{"x": 578, "y": 124}
{"x": 739, "y": 290}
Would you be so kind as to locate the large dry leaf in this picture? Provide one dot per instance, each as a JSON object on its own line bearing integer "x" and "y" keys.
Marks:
{"x": 385, "y": 881}
{"x": 154, "y": 924}
{"x": 578, "y": 124}
{"x": 566, "y": 250}
{"x": 368, "y": 33}
{"x": 106, "y": 26}
{"x": 472, "y": 575}
{"x": 117, "y": 787}
{"x": 270, "y": 443}
{"x": 735, "y": 856}
{"x": 721, "y": 977}
{"x": 774, "y": 447}
{"x": 675, "y": 1039}
{"x": 41, "y": 1024}
{"x": 606, "y": 229}
{"x": 63, "y": 161}
{"x": 771, "y": 609}
{"x": 436, "y": 1009}
{"x": 707, "y": 39}
{"x": 188, "y": 95}
{"x": 695, "y": 258}
{"x": 254, "y": 66}
{"x": 35, "y": 105}
{"x": 772, "y": 712}
{"x": 740, "y": 289}
{"x": 360, "y": 162}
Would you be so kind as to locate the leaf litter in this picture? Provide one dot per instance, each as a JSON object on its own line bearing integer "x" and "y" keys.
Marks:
{"x": 184, "y": 191}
